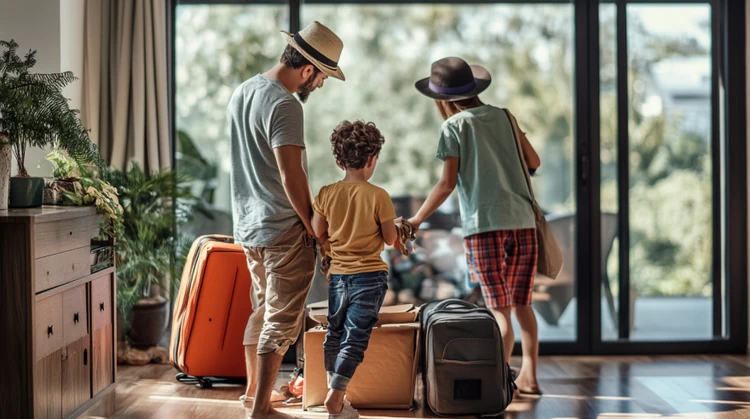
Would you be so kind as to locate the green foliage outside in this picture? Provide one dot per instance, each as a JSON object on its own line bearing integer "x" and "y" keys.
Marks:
{"x": 529, "y": 49}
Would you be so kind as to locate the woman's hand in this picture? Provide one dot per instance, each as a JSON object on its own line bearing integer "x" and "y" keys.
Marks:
{"x": 415, "y": 223}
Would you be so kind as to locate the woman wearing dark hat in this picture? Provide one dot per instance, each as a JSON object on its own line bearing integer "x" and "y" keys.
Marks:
{"x": 480, "y": 154}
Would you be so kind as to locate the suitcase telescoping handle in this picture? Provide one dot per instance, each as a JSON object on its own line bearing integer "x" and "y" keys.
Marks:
{"x": 454, "y": 302}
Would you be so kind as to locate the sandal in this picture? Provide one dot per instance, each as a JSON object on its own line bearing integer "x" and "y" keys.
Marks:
{"x": 528, "y": 392}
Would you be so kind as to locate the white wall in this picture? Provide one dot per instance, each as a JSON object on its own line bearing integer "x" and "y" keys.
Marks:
{"x": 55, "y": 29}
{"x": 72, "y": 13}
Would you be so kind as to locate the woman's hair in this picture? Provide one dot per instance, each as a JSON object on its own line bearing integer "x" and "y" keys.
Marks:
{"x": 448, "y": 109}
{"x": 355, "y": 142}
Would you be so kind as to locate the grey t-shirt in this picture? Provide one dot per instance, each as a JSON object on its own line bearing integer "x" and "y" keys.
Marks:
{"x": 262, "y": 115}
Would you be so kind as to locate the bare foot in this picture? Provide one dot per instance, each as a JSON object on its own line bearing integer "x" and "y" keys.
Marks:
{"x": 249, "y": 401}
{"x": 527, "y": 385}
{"x": 272, "y": 414}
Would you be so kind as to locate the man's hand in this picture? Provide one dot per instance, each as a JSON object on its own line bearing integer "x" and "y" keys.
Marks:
{"x": 310, "y": 232}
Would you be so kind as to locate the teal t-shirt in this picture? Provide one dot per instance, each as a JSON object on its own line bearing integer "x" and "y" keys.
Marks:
{"x": 491, "y": 184}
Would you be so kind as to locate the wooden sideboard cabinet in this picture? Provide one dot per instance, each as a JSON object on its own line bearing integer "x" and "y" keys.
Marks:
{"x": 58, "y": 319}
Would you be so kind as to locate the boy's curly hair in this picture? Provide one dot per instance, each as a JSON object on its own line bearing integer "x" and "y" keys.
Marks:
{"x": 355, "y": 142}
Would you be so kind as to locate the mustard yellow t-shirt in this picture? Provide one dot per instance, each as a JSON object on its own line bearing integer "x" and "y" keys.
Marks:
{"x": 354, "y": 212}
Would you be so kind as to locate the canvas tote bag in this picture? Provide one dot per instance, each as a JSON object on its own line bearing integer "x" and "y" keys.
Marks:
{"x": 550, "y": 260}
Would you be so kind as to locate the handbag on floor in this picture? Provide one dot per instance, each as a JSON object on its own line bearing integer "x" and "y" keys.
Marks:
{"x": 550, "y": 259}
{"x": 210, "y": 314}
{"x": 465, "y": 370}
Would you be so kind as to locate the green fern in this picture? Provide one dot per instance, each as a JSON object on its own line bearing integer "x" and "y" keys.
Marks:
{"x": 34, "y": 112}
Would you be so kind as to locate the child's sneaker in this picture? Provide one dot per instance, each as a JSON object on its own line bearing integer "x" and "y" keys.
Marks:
{"x": 347, "y": 412}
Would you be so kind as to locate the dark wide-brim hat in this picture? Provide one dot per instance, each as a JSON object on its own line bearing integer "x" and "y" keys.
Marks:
{"x": 453, "y": 79}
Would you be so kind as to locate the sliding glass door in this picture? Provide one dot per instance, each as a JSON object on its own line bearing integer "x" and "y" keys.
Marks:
{"x": 661, "y": 171}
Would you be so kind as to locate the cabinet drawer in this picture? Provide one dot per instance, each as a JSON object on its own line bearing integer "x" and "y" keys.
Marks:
{"x": 60, "y": 236}
{"x": 101, "y": 302}
{"x": 59, "y": 269}
{"x": 75, "y": 323}
{"x": 49, "y": 325}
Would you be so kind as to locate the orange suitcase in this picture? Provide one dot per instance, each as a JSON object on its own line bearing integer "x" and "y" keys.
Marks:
{"x": 210, "y": 313}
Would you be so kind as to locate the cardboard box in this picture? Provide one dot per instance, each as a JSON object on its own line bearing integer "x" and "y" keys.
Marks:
{"x": 404, "y": 313}
{"x": 386, "y": 379}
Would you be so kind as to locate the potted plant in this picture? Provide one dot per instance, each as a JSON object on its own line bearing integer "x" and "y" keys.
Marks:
{"x": 148, "y": 253}
{"x": 86, "y": 186}
{"x": 35, "y": 113}
{"x": 65, "y": 180}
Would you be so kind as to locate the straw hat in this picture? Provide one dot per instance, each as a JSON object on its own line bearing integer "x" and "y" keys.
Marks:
{"x": 320, "y": 46}
{"x": 453, "y": 79}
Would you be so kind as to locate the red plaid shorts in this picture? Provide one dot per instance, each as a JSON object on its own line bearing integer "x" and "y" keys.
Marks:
{"x": 504, "y": 264}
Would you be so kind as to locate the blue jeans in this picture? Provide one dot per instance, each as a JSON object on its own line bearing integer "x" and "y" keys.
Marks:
{"x": 353, "y": 305}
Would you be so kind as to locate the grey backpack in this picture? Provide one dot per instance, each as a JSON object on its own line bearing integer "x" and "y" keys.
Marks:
{"x": 465, "y": 370}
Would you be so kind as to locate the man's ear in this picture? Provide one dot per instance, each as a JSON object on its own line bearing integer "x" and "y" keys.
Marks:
{"x": 308, "y": 71}
{"x": 371, "y": 161}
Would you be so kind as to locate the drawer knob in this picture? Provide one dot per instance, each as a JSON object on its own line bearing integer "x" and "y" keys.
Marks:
{"x": 101, "y": 306}
{"x": 50, "y": 332}
{"x": 47, "y": 273}
{"x": 71, "y": 233}
{"x": 75, "y": 318}
{"x": 73, "y": 266}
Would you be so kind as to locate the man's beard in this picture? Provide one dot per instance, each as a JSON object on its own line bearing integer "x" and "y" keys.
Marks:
{"x": 304, "y": 91}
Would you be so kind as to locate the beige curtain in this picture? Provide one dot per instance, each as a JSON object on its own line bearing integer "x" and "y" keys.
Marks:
{"x": 125, "y": 81}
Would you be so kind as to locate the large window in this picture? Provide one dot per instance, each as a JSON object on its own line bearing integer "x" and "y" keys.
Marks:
{"x": 528, "y": 50}
{"x": 625, "y": 103}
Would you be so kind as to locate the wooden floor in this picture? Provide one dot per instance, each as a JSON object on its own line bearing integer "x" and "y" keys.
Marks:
{"x": 575, "y": 387}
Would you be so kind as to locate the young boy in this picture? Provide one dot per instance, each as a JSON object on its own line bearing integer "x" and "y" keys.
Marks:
{"x": 358, "y": 220}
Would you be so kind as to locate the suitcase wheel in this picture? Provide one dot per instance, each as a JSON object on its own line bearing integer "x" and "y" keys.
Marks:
{"x": 204, "y": 383}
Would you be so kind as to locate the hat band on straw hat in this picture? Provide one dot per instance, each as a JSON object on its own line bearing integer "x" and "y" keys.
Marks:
{"x": 453, "y": 90}
{"x": 314, "y": 53}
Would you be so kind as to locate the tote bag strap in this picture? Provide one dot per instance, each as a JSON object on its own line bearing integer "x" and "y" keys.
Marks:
{"x": 519, "y": 147}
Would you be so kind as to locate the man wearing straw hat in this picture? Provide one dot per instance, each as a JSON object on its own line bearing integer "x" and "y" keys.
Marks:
{"x": 272, "y": 202}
